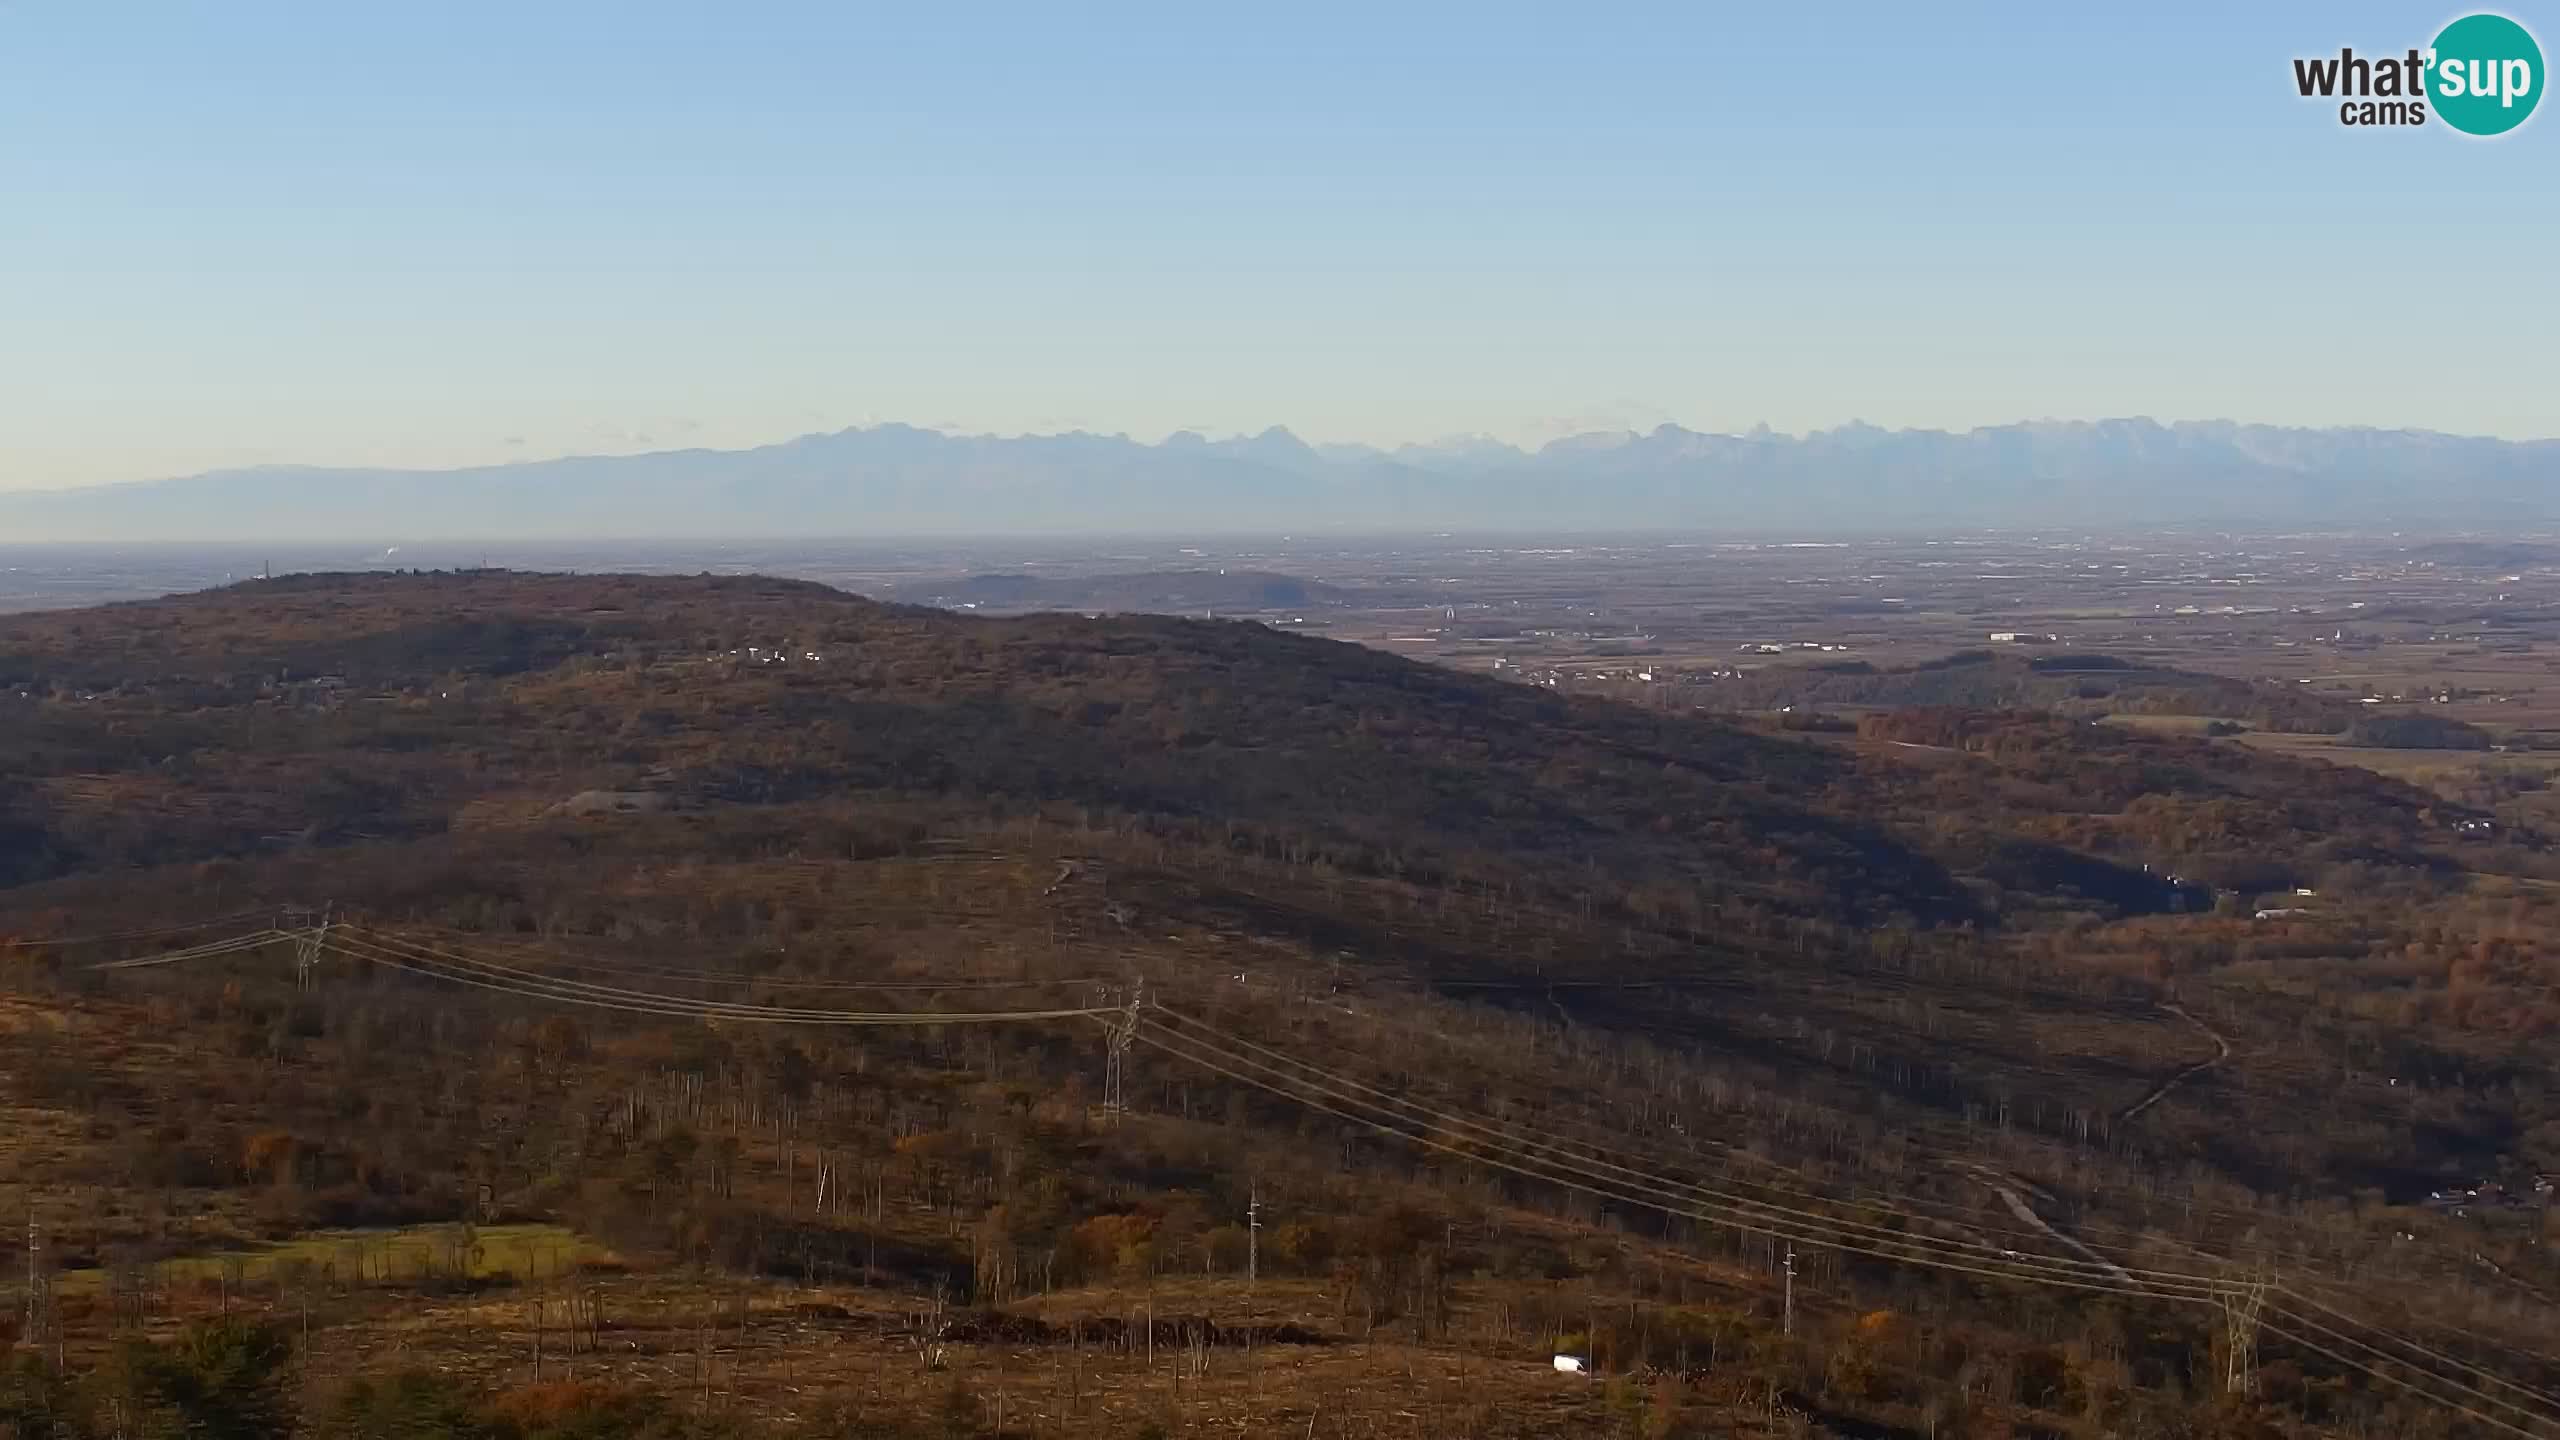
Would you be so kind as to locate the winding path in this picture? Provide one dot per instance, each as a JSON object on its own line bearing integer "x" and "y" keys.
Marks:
{"x": 2002, "y": 1186}
{"x": 2160, "y": 1092}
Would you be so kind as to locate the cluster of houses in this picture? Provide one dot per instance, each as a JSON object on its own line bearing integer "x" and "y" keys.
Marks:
{"x": 2491, "y": 1195}
{"x": 1781, "y": 647}
{"x": 2288, "y": 912}
{"x": 1558, "y": 676}
{"x": 758, "y": 655}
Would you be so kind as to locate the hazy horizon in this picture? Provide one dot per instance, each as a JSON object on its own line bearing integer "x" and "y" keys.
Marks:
{"x": 364, "y": 237}
{"x": 903, "y": 481}
{"x": 1455, "y": 446}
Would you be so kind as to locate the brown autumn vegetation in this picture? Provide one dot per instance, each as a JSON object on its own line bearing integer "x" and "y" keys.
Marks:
{"x": 1875, "y": 966}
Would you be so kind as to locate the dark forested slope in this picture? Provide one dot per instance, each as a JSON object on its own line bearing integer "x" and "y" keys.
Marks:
{"x": 1986, "y": 679}
{"x": 337, "y": 707}
{"x": 317, "y": 710}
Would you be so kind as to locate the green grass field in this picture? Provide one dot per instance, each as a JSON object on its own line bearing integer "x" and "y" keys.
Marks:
{"x": 389, "y": 1256}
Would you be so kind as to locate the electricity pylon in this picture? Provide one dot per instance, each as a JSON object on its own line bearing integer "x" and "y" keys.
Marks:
{"x": 307, "y": 946}
{"x": 2241, "y": 1306}
{"x": 1124, "y": 1033}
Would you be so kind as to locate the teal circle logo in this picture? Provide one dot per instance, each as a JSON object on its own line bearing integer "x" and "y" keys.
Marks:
{"x": 2485, "y": 74}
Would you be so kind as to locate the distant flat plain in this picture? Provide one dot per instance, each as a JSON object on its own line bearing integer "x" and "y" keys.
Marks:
{"x": 2395, "y": 621}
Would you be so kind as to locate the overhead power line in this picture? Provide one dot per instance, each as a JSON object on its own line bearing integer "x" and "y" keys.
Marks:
{"x": 2052, "y": 1273}
{"x": 154, "y": 932}
{"x": 1584, "y": 1166}
{"x": 442, "y": 964}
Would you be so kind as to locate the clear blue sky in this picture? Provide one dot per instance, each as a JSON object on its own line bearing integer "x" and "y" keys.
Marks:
{"x": 455, "y": 232}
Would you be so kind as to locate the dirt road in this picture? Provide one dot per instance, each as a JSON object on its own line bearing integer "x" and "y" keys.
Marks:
{"x": 2221, "y": 1052}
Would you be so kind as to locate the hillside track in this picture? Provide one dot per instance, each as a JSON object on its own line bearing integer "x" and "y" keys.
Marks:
{"x": 2160, "y": 1092}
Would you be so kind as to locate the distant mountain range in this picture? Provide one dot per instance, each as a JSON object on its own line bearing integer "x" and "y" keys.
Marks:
{"x": 900, "y": 480}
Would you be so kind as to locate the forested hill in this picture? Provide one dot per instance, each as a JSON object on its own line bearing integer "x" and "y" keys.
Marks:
{"x": 2038, "y": 680}
{"x": 421, "y": 708}
{"x": 402, "y": 705}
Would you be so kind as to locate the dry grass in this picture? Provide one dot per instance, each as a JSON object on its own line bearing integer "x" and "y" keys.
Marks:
{"x": 786, "y": 1354}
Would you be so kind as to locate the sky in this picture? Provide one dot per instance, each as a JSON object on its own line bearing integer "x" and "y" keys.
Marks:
{"x": 428, "y": 235}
